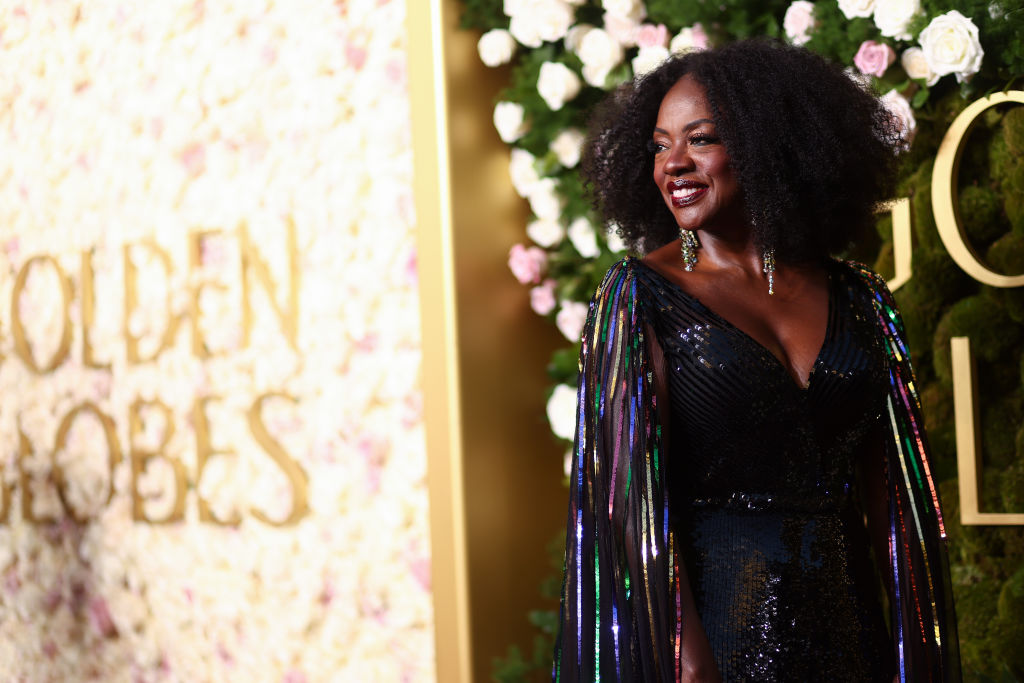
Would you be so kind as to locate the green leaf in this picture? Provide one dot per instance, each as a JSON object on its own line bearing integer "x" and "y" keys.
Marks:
{"x": 920, "y": 97}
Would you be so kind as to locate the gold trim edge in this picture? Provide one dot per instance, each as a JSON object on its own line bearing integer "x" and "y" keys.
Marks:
{"x": 425, "y": 23}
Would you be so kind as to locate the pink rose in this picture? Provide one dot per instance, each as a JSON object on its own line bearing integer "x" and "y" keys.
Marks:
{"x": 527, "y": 263}
{"x": 99, "y": 618}
{"x": 700, "y": 37}
{"x": 542, "y": 297}
{"x": 649, "y": 35}
{"x": 874, "y": 58}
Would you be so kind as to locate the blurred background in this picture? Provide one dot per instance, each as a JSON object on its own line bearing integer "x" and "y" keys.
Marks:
{"x": 289, "y": 302}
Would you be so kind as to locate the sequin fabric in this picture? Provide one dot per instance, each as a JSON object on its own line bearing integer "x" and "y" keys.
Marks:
{"x": 746, "y": 481}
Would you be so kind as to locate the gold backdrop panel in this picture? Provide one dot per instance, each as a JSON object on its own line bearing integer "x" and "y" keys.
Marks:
{"x": 484, "y": 357}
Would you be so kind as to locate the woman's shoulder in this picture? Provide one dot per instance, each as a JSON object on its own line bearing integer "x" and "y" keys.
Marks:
{"x": 862, "y": 276}
{"x": 623, "y": 271}
{"x": 625, "y": 282}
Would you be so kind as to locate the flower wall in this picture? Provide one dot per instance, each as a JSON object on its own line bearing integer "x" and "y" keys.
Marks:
{"x": 927, "y": 60}
{"x": 213, "y": 463}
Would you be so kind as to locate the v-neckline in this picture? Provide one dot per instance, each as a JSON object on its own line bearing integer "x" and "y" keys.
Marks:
{"x": 793, "y": 381}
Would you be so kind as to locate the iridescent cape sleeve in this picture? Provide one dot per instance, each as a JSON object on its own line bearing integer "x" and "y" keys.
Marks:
{"x": 621, "y": 617}
{"x": 923, "y": 621}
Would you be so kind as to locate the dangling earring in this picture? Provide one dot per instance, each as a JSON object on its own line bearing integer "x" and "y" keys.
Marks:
{"x": 688, "y": 246}
{"x": 768, "y": 257}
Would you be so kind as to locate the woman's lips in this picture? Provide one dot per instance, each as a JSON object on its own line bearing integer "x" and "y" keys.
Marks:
{"x": 687, "y": 194}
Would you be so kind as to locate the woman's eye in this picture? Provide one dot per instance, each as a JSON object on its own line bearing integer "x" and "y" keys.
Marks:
{"x": 703, "y": 139}
{"x": 655, "y": 147}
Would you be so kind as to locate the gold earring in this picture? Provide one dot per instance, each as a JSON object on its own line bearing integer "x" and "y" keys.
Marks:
{"x": 768, "y": 257}
{"x": 688, "y": 247}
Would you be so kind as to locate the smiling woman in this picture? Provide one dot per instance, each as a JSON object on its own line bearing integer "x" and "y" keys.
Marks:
{"x": 746, "y": 402}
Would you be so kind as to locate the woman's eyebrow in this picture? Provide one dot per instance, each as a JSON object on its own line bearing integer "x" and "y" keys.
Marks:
{"x": 691, "y": 124}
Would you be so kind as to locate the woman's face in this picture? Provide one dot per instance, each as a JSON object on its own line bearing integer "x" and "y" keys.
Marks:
{"x": 691, "y": 166}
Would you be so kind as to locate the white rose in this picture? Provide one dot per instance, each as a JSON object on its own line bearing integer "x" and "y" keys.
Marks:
{"x": 509, "y": 120}
{"x": 557, "y": 84}
{"x": 546, "y": 233}
{"x": 950, "y": 45}
{"x": 857, "y": 8}
{"x": 574, "y": 35}
{"x": 799, "y": 21}
{"x": 649, "y": 59}
{"x": 902, "y": 114}
{"x": 622, "y": 29}
{"x": 857, "y": 77}
{"x": 583, "y": 238}
{"x": 916, "y": 66}
{"x": 561, "y": 411}
{"x": 600, "y": 53}
{"x": 545, "y": 201}
{"x": 568, "y": 146}
{"x": 570, "y": 319}
{"x": 633, "y": 9}
{"x": 496, "y": 47}
{"x": 690, "y": 38}
{"x": 522, "y": 171}
{"x": 615, "y": 243}
{"x": 535, "y": 21}
{"x": 893, "y": 16}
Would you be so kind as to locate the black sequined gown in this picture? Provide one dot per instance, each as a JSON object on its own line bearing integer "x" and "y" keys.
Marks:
{"x": 763, "y": 494}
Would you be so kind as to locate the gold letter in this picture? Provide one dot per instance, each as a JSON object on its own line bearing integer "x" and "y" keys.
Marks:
{"x": 113, "y": 451}
{"x": 289, "y": 318}
{"x": 140, "y": 458}
{"x": 131, "y": 299}
{"x": 944, "y": 204}
{"x": 967, "y": 440}
{"x": 296, "y": 475}
{"x": 89, "y": 312}
{"x": 204, "y": 451}
{"x": 5, "y": 493}
{"x": 21, "y": 345}
{"x": 902, "y": 243}
{"x": 199, "y": 347}
{"x": 25, "y": 451}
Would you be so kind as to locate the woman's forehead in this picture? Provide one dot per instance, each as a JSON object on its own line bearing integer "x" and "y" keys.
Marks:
{"x": 685, "y": 97}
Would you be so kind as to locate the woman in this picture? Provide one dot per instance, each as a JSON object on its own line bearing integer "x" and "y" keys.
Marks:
{"x": 746, "y": 401}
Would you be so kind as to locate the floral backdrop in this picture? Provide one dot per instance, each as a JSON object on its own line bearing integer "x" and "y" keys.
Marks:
{"x": 213, "y": 463}
{"x": 927, "y": 60}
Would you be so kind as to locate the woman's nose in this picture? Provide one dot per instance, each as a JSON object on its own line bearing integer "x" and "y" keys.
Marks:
{"x": 677, "y": 161}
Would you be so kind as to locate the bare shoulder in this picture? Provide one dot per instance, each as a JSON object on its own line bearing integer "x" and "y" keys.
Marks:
{"x": 664, "y": 257}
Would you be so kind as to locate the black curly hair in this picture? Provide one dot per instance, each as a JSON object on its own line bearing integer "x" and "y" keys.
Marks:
{"x": 813, "y": 151}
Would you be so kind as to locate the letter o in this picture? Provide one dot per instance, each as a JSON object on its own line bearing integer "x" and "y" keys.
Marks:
{"x": 944, "y": 204}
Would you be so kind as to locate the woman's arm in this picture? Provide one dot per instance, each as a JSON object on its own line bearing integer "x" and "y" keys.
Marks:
{"x": 697, "y": 661}
{"x": 921, "y": 605}
{"x": 875, "y": 500}
{"x": 627, "y": 613}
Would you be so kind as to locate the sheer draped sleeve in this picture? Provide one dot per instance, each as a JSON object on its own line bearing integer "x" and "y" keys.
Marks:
{"x": 923, "y": 621}
{"x": 621, "y": 608}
